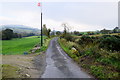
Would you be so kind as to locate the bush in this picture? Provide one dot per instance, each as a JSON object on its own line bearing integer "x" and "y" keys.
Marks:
{"x": 68, "y": 37}
{"x": 85, "y": 40}
{"x": 110, "y": 43}
{"x": 99, "y": 71}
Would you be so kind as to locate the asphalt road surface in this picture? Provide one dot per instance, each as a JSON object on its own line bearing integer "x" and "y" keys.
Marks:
{"x": 59, "y": 65}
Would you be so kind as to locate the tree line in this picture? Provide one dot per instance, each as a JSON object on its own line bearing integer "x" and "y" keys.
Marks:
{"x": 104, "y": 31}
{"x": 48, "y": 32}
{"x": 8, "y": 34}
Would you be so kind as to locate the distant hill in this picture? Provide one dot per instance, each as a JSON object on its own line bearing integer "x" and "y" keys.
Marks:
{"x": 20, "y": 29}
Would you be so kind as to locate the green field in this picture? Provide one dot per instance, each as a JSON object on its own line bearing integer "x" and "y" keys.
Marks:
{"x": 19, "y": 45}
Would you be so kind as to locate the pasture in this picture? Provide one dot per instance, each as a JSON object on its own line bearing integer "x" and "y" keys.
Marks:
{"x": 19, "y": 45}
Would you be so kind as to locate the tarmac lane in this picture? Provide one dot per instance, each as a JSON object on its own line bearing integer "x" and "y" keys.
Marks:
{"x": 59, "y": 65}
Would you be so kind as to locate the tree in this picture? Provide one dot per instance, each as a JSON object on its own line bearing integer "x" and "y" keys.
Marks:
{"x": 15, "y": 35}
{"x": 7, "y": 34}
{"x": 116, "y": 30}
{"x": 46, "y": 31}
{"x": 66, "y": 28}
{"x": 31, "y": 34}
{"x": 76, "y": 33}
{"x": 104, "y": 31}
{"x": 58, "y": 33}
{"x": 90, "y": 33}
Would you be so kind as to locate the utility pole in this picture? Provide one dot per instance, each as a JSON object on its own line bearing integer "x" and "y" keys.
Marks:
{"x": 41, "y": 31}
{"x": 41, "y": 25}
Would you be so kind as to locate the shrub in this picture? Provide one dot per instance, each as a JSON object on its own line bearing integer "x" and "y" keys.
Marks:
{"x": 104, "y": 60}
{"x": 92, "y": 52}
{"x": 68, "y": 37}
{"x": 110, "y": 61}
{"x": 110, "y": 42}
{"x": 97, "y": 71}
{"x": 85, "y": 39}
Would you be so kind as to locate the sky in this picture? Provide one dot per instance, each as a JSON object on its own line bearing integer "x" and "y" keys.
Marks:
{"x": 80, "y": 16}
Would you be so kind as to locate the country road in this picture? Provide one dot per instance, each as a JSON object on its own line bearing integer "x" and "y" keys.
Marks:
{"x": 59, "y": 65}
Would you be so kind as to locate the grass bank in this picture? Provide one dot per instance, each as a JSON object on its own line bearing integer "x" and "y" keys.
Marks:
{"x": 45, "y": 45}
{"x": 99, "y": 62}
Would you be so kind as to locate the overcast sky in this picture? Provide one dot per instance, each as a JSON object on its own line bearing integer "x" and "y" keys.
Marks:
{"x": 81, "y": 16}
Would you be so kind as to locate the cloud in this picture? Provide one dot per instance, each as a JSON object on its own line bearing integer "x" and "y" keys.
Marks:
{"x": 81, "y": 19}
{"x": 21, "y": 17}
{"x": 32, "y": 19}
{"x": 53, "y": 24}
{"x": 57, "y": 25}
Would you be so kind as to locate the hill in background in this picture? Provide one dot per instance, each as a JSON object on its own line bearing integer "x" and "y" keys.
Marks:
{"x": 21, "y": 29}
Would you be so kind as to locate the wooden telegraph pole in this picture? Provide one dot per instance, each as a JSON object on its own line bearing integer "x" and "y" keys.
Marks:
{"x": 41, "y": 25}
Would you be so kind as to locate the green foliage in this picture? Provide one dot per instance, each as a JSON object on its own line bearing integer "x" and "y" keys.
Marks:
{"x": 67, "y": 48}
{"x": 46, "y": 31}
{"x": 104, "y": 31}
{"x": 105, "y": 60}
{"x": 37, "y": 51}
{"x": 85, "y": 40}
{"x": 8, "y": 34}
{"x": 89, "y": 52}
{"x": 77, "y": 33}
{"x": 99, "y": 54}
{"x": 99, "y": 71}
{"x": 68, "y": 37}
{"x": 58, "y": 33}
{"x": 109, "y": 60}
{"x": 43, "y": 48}
{"x": 110, "y": 43}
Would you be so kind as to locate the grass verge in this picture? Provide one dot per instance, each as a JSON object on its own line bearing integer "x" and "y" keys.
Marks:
{"x": 44, "y": 47}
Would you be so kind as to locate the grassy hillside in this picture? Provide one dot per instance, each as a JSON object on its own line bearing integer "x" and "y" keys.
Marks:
{"x": 20, "y": 29}
{"x": 19, "y": 46}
